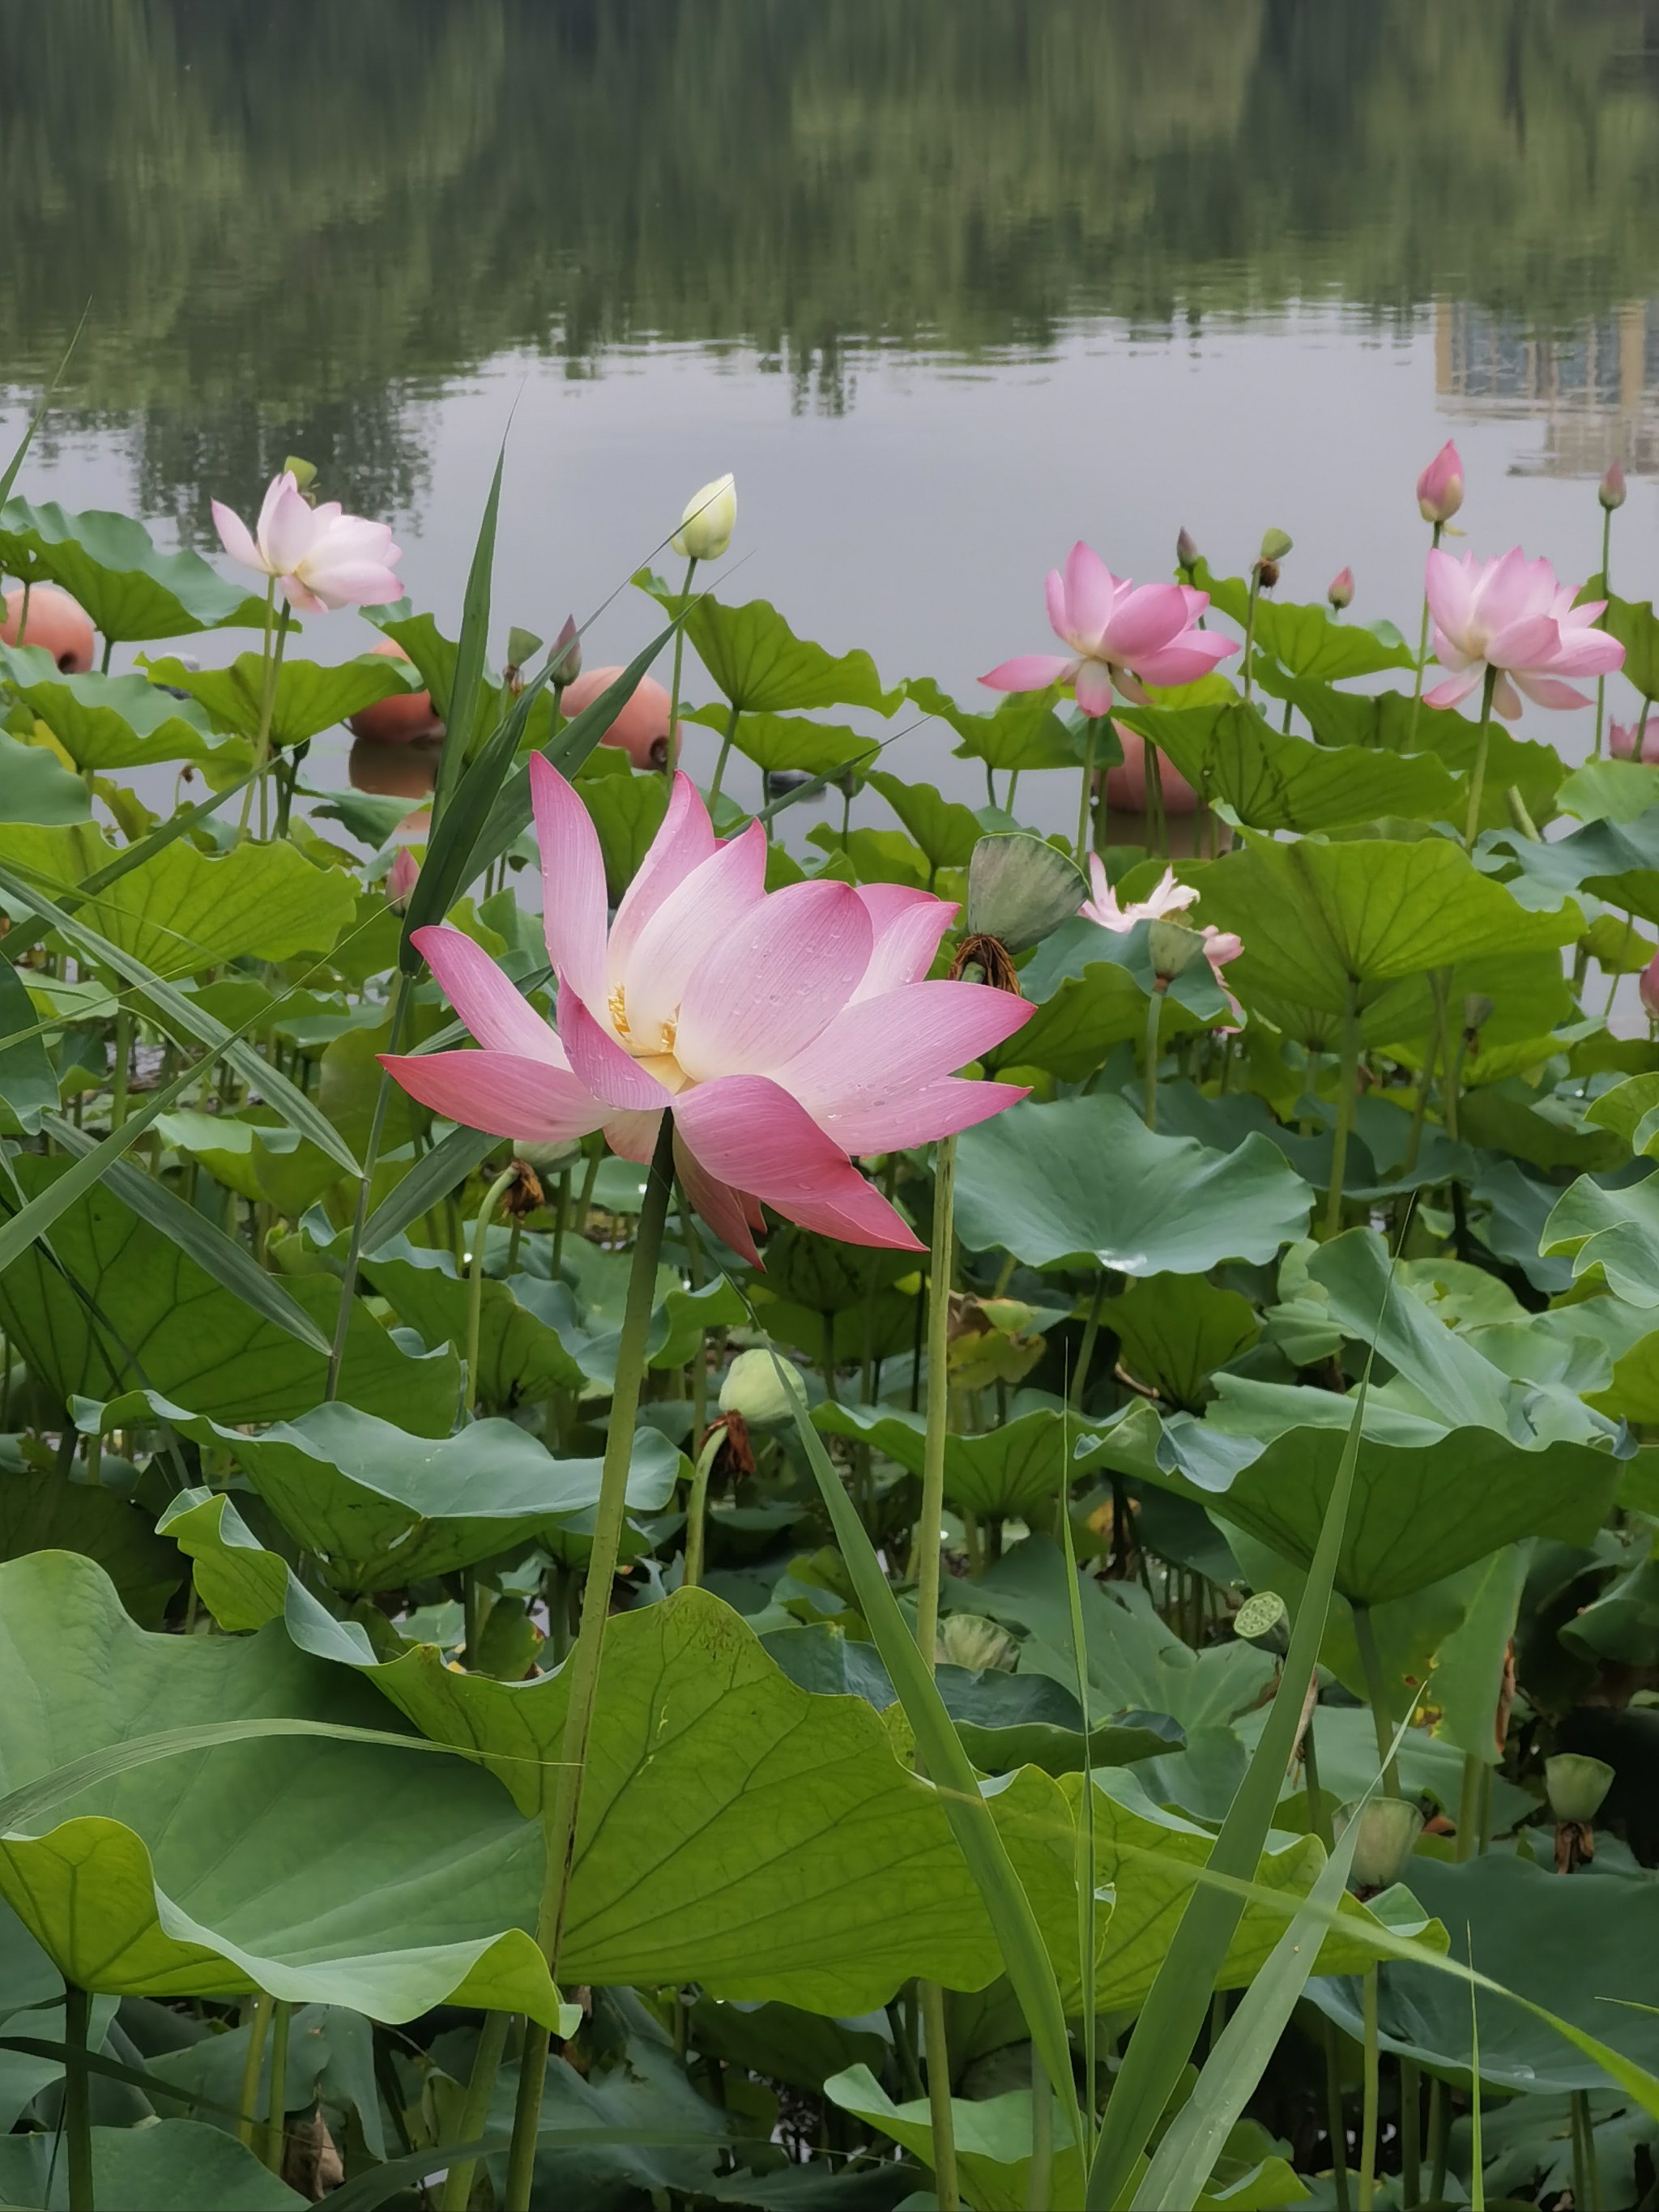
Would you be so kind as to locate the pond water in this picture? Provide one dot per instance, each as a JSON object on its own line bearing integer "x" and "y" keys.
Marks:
{"x": 947, "y": 284}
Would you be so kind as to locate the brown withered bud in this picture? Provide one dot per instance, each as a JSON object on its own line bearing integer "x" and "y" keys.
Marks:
{"x": 1575, "y": 1845}
{"x": 736, "y": 1458}
{"x": 524, "y": 1193}
{"x": 989, "y": 960}
{"x": 1505, "y": 1696}
{"x": 1267, "y": 574}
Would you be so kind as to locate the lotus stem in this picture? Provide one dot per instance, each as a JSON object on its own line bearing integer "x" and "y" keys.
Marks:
{"x": 1249, "y": 627}
{"x": 1039, "y": 2186}
{"x": 674, "y": 688}
{"x": 273, "y": 662}
{"x": 1336, "y": 2125}
{"x": 1084, "y": 840}
{"x": 1090, "y": 1332}
{"x": 1602, "y": 681}
{"x": 1159, "y": 823}
{"x": 1371, "y": 1660}
{"x": 724, "y": 751}
{"x": 1368, "y": 2109}
{"x": 697, "y": 1506}
{"x": 121, "y": 1072}
{"x": 1347, "y": 1081}
{"x": 1411, "y": 2135}
{"x": 1154, "y": 1021}
{"x": 1468, "y": 1807}
{"x": 945, "y": 2188}
{"x": 457, "y": 2189}
{"x": 1422, "y": 655}
{"x": 1439, "y": 2137}
{"x": 77, "y": 2098}
{"x": 1586, "y": 2180}
{"x": 247, "y": 2104}
{"x": 282, "y": 2015}
{"x": 492, "y": 1197}
{"x": 563, "y": 1802}
{"x": 1477, "y": 782}
{"x": 360, "y": 1221}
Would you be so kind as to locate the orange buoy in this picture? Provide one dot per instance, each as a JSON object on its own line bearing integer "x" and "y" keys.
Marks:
{"x": 55, "y": 621}
{"x": 640, "y": 729}
{"x": 404, "y": 716}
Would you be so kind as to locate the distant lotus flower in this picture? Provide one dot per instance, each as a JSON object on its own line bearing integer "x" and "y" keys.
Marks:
{"x": 1166, "y": 897}
{"x": 1647, "y": 988}
{"x": 1221, "y": 945}
{"x": 1622, "y": 742}
{"x": 1339, "y": 590}
{"x": 1121, "y": 635}
{"x": 1440, "y": 487}
{"x": 785, "y": 1031}
{"x": 1510, "y": 614}
{"x": 400, "y": 879}
{"x": 1611, "y": 489}
{"x": 710, "y": 517}
{"x": 1186, "y": 549}
{"x": 566, "y": 657}
{"x": 321, "y": 558}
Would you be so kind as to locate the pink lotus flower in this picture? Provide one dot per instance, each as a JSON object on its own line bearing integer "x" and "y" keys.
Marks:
{"x": 1440, "y": 487}
{"x": 1119, "y": 635}
{"x": 1647, "y": 988}
{"x": 1166, "y": 897}
{"x": 784, "y": 1031}
{"x": 321, "y": 558}
{"x": 1510, "y": 614}
{"x": 1339, "y": 590}
{"x": 1622, "y": 739}
{"x": 400, "y": 879}
{"x": 1221, "y": 945}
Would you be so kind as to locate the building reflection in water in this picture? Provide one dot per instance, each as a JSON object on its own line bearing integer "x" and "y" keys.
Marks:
{"x": 1594, "y": 388}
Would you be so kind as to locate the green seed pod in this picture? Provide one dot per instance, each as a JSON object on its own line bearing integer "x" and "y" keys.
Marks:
{"x": 1275, "y": 544}
{"x": 1577, "y": 1786}
{"x": 1389, "y": 1830}
{"x": 1019, "y": 888}
{"x": 764, "y": 1391}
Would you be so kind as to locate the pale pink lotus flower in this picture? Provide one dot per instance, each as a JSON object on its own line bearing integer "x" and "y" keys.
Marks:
{"x": 1166, "y": 897}
{"x": 1510, "y": 614}
{"x": 1221, "y": 945}
{"x": 400, "y": 879}
{"x": 785, "y": 1029}
{"x": 1622, "y": 738}
{"x": 322, "y": 558}
{"x": 1119, "y": 636}
{"x": 1440, "y": 487}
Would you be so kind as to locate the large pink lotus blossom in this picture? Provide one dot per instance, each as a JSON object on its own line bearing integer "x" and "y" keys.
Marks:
{"x": 1119, "y": 636}
{"x": 321, "y": 558}
{"x": 1510, "y": 614}
{"x": 784, "y": 1031}
{"x": 1440, "y": 487}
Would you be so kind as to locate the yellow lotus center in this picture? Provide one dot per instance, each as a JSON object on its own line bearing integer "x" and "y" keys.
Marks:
{"x": 659, "y": 1057}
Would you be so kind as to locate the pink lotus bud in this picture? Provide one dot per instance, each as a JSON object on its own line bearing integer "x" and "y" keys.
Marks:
{"x": 1339, "y": 590}
{"x": 1621, "y": 740}
{"x": 400, "y": 879}
{"x": 1440, "y": 487}
{"x": 1647, "y": 987}
{"x": 1186, "y": 549}
{"x": 1611, "y": 490}
{"x": 566, "y": 658}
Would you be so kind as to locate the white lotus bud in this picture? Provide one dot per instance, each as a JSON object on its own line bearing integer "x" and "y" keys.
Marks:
{"x": 709, "y": 519}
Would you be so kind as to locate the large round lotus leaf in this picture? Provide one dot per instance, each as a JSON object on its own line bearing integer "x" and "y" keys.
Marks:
{"x": 110, "y": 563}
{"x": 105, "y": 722}
{"x": 325, "y": 1872}
{"x": 1616, "y": 1231}
{"x": 169, "y": 2165}
{"x": 1583, "y": 1945}
{"x": 1004, "y": 1473}
{"x": 308, "y": 699}
{"x": 1084, "y": 1182}
{"x": 1325, "y": 925}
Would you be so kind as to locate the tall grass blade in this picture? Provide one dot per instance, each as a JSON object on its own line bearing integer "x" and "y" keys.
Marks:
{"x": 1024, "y": 1954}
{"x": 9, "y": 475}
{"x": 467, "y": 682}
{"x": 1086, "y": 1940}
{"x": 428, "y": 1182}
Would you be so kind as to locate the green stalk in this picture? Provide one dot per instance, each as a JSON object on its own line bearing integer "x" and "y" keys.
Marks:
{"x": 1439, "y": 2138}
{"x": 121, "y": 1074}
{"x": 282, "y": 2015}
{"x": 1367, "y": 2111}
{"x": 1153, "y": 761}
{"x": 1085, "y": 841}
{"x": 1586, "y": 2181}
{"x": 1371, "y": 1660}
{"x": 1468, "y": 1807}
{"x": 697, "y": 1506}
{"x": 674, "y": 688}
{"x": 1602, "y": 681}
{"x": 77, "y": 2098}
{"x": 1411, "y": 2135}
{"x": 1477, "y": 782}
{"x": 247, "y": 2104}
{"x": 360, "y": 1221}
{"x": 726, "y": 745}
{"x": 493, "y": 1198}
{"x": 1090, "y": 1332}
{"x": 475, "y": 2112}
{"x": 1346, "y": 1082}
{"x": 1154, "y": 1021}
{"x": 1336, "y": 2125}
{"x": 273, "y": 660}
{"x": 1250, "y": 625}
{"x": 1039, "y": 2184}
{"x": 945, "y": 2187}
{"x": 563, "y": 1803}
{"x": 1422, "y": 655}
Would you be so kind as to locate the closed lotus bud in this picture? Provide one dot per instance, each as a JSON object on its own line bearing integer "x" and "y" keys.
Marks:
{"x": 1275, "y": 544}
{"x": 764, "y": 1391}
{"x": 1339, "y": 590}
{"x": 400, "y": 878}
{"x": 566, "y": 658}
{"x": 1174, "y": 947}
{"x": 1611, "y": 489}
{"x": 709, "y": 519}
{"x": 1186, "y": 549}
{"x": 967, "y": 1639}
{"x": 1389, "y": 1830}
{"x": 1577, "y": 1786}
{"x": 1647, "y": 988}
{"x": 1440, "y": 487}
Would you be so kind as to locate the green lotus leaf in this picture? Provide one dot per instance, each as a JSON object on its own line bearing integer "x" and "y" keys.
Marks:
{"x": 36, "y": 786}
{"x": 1083, "y": 1182}
{"x": 1307, "y": 641}
{"x": 309, "y": 698}
{"x": 110, "y": 564}
{"x": 381, "y": 1509}
{"x": 1024, "y": 731}
{"x": 1607, "y": 791}
{"x": 1632, "y": 622}
{"x": 523, "y": 1325}
{"x": 759, "y": 663}
{"x": 1616, "y": 1231}
{"x": 946, "y": 830}
{"x": 991, "y": 2137}
{"x": 788, "y": 743}
{"x": 323, "y": 1872}
{"x": 1174, "y": 1331}
{"x": 1323, "y": 921}
{"x": 1013, "y": 1472}
{"x": 1617, "y": 861}
{"x": 1090, "y": 986}
{"x": 1584, "y": 1948}
{"x": 828, "y": 1278}
{"x": 105, "y": 722}
{"x": 179, "y": 912}
{"x": 48, "y": 1512}
{"x": 1631, "y": 1110}
{"x": 167, "y": 2165}
{"x": 627, "y": 812}
{"x": 1272, "y": 781}
{"x": 161, "y": 1323}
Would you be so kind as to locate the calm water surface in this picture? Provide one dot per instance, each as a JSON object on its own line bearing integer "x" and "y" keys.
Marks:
{"x": 947, "y": 283}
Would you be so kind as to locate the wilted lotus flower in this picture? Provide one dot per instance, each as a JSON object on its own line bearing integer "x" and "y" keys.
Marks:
{"x": 1339, "y": 590}
{"x": 321, "y": 558}
{"x": 1510, "y": 614}
{"x": 1440, "y": 487}
{"x": 784, "y": 1031}
{"x": 1120, "y": 634}
{"x": 1166, "y": 897}
{"x": 400, "y": 879}
{"x": 710, "y": 517}
{"x": 1611, "y": 489}
{"x": 1622, "y": 738}
{"x": 1647, "y": 988}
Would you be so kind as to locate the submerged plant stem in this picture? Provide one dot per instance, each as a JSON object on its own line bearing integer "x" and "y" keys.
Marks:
{"x": 564, "y": 1799}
